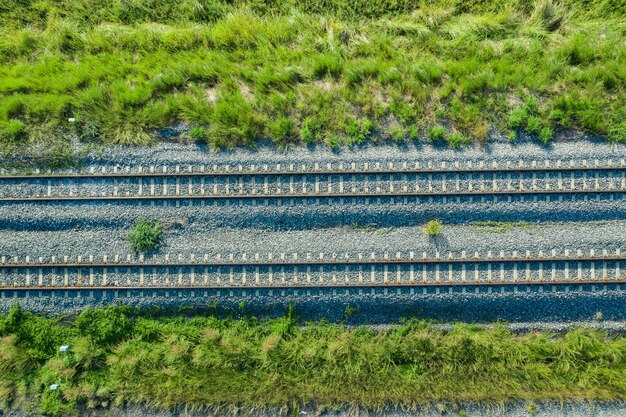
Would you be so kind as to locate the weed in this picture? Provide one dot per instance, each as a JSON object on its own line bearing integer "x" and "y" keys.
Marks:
{"x": 545, "y": 134}
{"x": 333, "y": 141}
{"x": 497, "y": 227}
{"x": 145, "y": 236}
{"x": 433, "y": 228}
{"x": 198, "y": 134}
{"x": 456, "y": 139}
{"x": 357, "y": 131}
{"x": 350, "y": 311}
{"x": 398, "y": 133}
{"x": 533, "y": 125}
{"x": 15, "y": 130}
{"x": 283, "y": 131}
{"x": 436, "y": 133}
{"x": 364, "y": 227}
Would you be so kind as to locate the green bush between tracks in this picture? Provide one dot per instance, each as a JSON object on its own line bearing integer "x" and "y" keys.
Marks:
{"x": 145, "y": 235}
{"x": 119, "y": 355}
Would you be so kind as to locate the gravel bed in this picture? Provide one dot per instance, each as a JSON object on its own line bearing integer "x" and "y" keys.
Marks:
{"x": 369, "y": 305}
{"x": 309, "y": 214}
{"x": 65, "y": 235}
{"x": 512, "y": 409}
{"x": 167, "y": 153}
{"x": 330, "y": 225}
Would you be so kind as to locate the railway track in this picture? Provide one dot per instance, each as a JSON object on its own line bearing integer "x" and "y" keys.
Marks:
{"x": 304, "y": 182}
{"x": 313, "y": 270}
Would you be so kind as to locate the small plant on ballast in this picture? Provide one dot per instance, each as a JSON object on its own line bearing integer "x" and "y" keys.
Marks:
{"x": 433, "y": 228}
{"x": 146, "y": 235}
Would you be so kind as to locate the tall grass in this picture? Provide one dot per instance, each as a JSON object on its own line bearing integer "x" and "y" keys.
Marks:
{"x": 306, "y": 71}
{"x": 118, "y": 355}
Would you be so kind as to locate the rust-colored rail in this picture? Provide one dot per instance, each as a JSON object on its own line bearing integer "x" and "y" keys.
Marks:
{"x": 300, "y": 172}
{"x": 338, "y": 285}
{"x": 310, "y": 195}
{"x": 309, "y": 261}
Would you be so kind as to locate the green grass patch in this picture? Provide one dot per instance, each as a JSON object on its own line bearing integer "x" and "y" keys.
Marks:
{"x": 498, "y": 227}
{"x": 118, "y": 355}
{"x": 145, "y": 235}
{"x": 335, "y": 72}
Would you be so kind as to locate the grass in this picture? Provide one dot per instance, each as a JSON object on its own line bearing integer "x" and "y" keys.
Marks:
{"x": 498, "y": 227}
{"x": 337, "y": 72}
{"x": 145, "y": 235}
{"x": 119, "y": 356}
{"x": 433, "y": 228}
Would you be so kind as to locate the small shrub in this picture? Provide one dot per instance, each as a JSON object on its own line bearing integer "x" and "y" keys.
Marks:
{"x": 198, "y": 133}
{"x": 234, "y": 122}
{"x": 413, "y": 132}
{"x": 398, "y": 134}
{"x": 512, "y": 135}
{"x": 545, "y": 134}
{"x": 105, "y": 326}
{"x": 283, "y": 131}
{"x": 456, "y": 139}
{"x": 618, "y": 133}
{"x": 11, "y": 108}
{"x": 87, "y": 132}
{"x": 350, "y": 311}
{"x": 145, "y": 235}
{"x": 433, "y": 228}
{"x": 517, "y": 119}
{"x": 357, "y": 130}
{"x": 333, "y": 141}
{"x": 532, "y": 408}
{"x": 306, "y": 133}
{"x": 533, "y": 125}
{"x": 436, "y": 133}
{"x": 15, "y": 130}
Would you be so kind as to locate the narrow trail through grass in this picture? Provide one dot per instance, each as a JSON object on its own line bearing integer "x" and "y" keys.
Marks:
{"x": 118, "y": 355}
{"x": 337, "y": 72}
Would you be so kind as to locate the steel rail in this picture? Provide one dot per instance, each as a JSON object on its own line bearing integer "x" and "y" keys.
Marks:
{"x": 299, "y": 172}
{"x": 311, "y": 261}
{"x": 287, "y": 195}
{"x": 285, "y": 286}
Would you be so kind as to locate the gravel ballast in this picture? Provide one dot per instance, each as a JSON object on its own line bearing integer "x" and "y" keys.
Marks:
{"x": 497, "y": 150}
{"x": 514, "y": 409}
{"x": 379, "y": 225}
{"x": 367, "y": 305}
{"x": 182, "y": 237}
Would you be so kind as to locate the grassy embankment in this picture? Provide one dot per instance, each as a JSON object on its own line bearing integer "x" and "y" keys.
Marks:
{"x": 331, "y": 71}
{"x": 119, "y": 356}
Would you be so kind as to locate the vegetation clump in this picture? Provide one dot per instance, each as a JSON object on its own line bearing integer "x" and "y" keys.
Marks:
{"x": 433, "y": 228}
{"x": 145, "y": 235}
{"x": 119, "y": 355}
{"x": 335, "y": 72}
